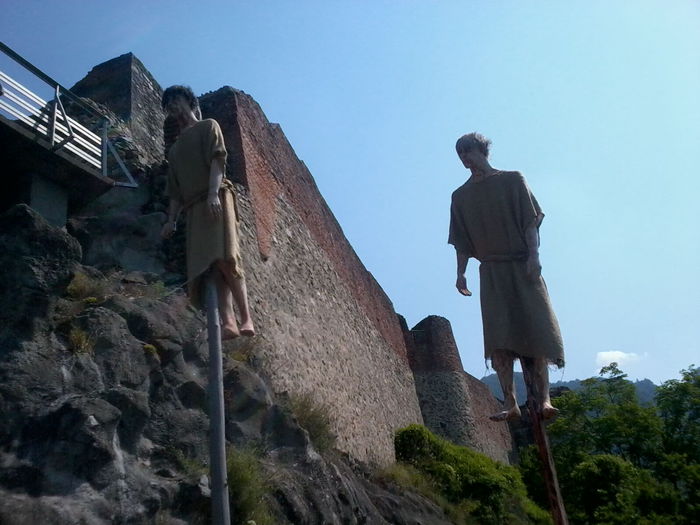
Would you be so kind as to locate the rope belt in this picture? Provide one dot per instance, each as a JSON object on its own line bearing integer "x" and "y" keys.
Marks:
{"x": 518, "y": 256}
{"x": 226, "y": 185}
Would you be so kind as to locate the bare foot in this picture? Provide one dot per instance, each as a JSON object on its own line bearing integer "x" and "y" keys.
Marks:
{"x": 506, "y": 415}
{"x": 229, "y": 331}
{"x": 548, "y": 411}
{"x": 247, "y": 329}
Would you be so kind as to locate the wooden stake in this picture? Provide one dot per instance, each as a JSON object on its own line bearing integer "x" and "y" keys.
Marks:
{"x": 549, "y": 471}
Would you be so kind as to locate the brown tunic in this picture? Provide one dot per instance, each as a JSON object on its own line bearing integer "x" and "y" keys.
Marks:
{"x": 488, "y": 221}
{"x": 208, "y": 239}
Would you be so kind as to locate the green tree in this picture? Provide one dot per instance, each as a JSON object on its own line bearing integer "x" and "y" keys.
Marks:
{"x": 619, "y": 461}
{"x": 604, "y": 417}
{"x": 679, "y": 407}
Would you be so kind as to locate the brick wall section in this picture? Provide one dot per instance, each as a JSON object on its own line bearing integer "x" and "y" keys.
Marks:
{"x": 272, "y": 168}
{"x": 315, "y": 336}
{"x": 454, "y": 404}
{"x": 246, "y": 161}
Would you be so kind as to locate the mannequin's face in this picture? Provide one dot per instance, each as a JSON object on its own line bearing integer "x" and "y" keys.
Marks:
{"x": 472, "y": 158}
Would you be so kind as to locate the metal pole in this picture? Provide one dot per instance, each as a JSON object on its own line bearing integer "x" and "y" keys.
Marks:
{"x": 217, "y": 441}
{"x": 549, "y": 471}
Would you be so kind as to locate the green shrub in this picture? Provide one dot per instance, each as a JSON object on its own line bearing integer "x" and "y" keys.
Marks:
{"x": 495, "y": 492}
{"x": 315, "y": 418}
{"x": 248, "y": 488}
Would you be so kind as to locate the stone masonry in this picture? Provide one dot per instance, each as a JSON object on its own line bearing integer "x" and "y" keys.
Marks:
{"x": 126, "y": 87}
{"x": 455, "y": 405}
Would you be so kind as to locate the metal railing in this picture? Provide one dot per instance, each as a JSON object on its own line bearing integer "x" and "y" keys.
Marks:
{"x": 49, "y": 120}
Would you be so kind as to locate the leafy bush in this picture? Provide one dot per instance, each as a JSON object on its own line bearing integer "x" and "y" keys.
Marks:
{"x": 248, "y": 488}
{"x": 495, "y": 492}
{"x": 315, "y": 418}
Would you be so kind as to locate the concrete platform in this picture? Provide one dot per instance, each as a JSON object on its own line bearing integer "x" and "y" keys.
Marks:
{"x": 30, "y": 166}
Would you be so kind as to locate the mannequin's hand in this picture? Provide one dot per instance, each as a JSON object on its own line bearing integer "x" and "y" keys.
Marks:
{"x": 168, "y": 229}
{"x": 533, "y": 268}
{"x": 461, "y": 286}
{"x": 214, "y": 206}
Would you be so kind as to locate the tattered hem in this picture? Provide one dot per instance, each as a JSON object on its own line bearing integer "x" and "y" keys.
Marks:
{"x": 557, "y": 362}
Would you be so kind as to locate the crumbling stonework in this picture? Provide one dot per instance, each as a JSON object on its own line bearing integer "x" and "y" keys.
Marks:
{"x": 454, "y": 404}
{"x": 126, "y": 87}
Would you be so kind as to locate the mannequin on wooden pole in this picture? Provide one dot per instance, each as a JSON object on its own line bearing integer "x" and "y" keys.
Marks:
{"x": 495, "y": 218}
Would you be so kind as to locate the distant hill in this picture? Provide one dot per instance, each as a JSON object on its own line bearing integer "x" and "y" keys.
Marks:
{"x": 645, "y": 388}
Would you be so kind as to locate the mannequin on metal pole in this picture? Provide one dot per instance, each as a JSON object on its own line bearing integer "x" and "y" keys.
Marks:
{"x": 197, "y": 185}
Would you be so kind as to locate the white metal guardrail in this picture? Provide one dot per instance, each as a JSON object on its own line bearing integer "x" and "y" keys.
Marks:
{"x": 49, "y": 120}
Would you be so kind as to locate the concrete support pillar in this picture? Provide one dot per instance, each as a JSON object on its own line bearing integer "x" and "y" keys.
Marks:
{"x": 49, "y": 199}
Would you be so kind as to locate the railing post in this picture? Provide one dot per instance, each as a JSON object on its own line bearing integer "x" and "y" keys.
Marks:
{"x": 105, "y": 128}
{"x": 54, "y": 106}
{"x": 217, "y": 439}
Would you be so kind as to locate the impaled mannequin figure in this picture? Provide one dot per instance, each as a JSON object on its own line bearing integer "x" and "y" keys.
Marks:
{"x": 197, "y": 185}
{"x": 495, "y": 218}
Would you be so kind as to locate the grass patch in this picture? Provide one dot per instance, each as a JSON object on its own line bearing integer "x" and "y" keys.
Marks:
{"x": 80, "y": 342}
{"x": 487, "y": 491}
{"x": 156, "y": 290}
{"x": 315, "y": 418}
{"x": 151, "y": 350}
{"x": 193, "y": 469}
{"x": 248, "y": 488}
{"x": 84, "y": 287}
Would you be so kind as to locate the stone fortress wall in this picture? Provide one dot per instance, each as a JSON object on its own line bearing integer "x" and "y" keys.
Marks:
{"x": 325, "y": 325}
{"x": 454, "y": 404}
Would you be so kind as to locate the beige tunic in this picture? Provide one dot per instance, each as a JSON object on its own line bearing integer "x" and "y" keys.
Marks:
{"x": 488, "y": 221}
{"x": 208, "y": 239}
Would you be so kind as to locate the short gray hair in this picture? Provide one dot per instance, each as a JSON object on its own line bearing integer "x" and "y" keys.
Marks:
{"x": 473, "y": 140}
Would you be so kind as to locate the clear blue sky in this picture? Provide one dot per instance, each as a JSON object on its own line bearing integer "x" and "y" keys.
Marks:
{"x": 596, "y": 102}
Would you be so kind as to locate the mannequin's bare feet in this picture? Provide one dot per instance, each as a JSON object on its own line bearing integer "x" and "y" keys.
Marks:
{"x": 229, "y": 331}
{"x": 247, "y": 329}
{"x": 506, "y": 415}
{"x": 548, "y": 411}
